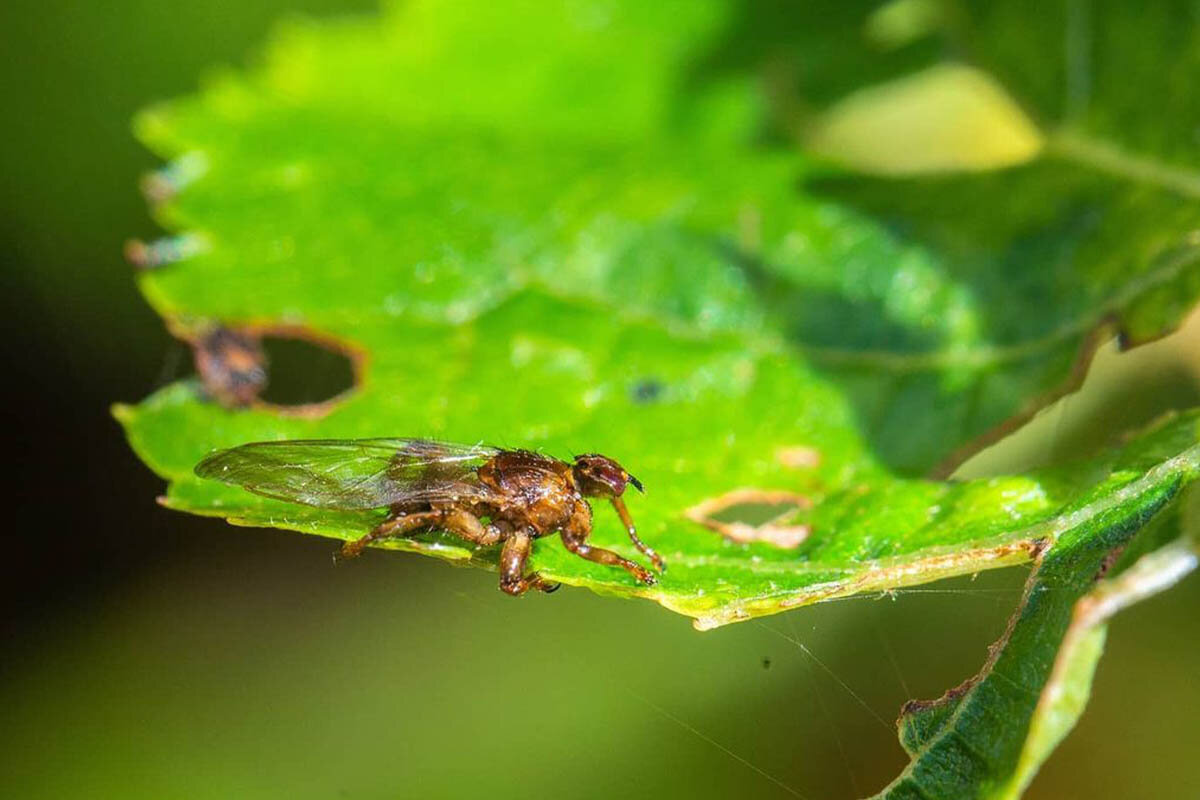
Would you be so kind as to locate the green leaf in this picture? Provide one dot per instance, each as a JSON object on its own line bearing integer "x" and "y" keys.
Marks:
{"x": 594, "y": 275}
{"x": 558, "y": 226}
{"x": 1038, "y": 677}
{"x": 1087, "y": 232}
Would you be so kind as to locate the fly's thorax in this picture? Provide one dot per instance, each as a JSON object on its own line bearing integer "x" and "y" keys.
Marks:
{"x": 537, "y": 491}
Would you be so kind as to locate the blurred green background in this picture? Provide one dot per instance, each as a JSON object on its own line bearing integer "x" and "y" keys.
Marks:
{"x": 149, "y": 654}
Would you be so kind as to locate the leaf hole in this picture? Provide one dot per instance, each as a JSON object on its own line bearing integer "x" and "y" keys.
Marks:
{"x": 287, "y": 369}
{"x": 305, "y": 372}
{"x": 755, "y": 515}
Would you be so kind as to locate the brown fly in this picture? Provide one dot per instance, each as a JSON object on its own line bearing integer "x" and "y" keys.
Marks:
{"x": 483, "y": 494}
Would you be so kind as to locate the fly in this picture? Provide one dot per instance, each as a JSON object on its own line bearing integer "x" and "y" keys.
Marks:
{"x": 485, "y": 495}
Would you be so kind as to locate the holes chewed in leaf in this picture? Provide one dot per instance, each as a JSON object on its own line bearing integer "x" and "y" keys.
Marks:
{"x": 307, "y": 372}
{"x": 285, "y": 368}
{"x": 754, "y": 515}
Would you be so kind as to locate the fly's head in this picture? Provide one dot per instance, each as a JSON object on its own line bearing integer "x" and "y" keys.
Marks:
{"x": 600, "y": 476}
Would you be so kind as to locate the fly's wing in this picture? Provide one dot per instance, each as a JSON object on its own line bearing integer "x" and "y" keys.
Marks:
{"x": 352, "y": 473}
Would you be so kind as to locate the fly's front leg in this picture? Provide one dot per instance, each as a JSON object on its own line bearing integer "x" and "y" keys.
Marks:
{"x": 619, "y": 506}
{"x": 574, "y": 537}
{"x": 513, "y": 558}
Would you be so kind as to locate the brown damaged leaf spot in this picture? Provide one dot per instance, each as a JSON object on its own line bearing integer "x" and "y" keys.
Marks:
{"x": 721, "y": 514}
{"x": 234, "y": 369}
{"x": 1108, "y": 562}
{"x": 913, "y": 707}
{"x": 799, "y": 457}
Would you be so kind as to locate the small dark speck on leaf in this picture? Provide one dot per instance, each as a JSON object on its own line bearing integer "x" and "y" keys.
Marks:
{"x": 646, "y": 390}
{"x": 766, "y": 662}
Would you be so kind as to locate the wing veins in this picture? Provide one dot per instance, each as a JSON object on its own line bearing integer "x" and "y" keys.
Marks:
{"x": 350, "y": 473}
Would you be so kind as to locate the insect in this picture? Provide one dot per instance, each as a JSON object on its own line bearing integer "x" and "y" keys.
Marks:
{"x": 232, "y": 366}
{"x": 485, "y": 495}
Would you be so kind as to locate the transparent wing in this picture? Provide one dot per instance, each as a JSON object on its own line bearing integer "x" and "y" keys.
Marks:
{"x": 352, "y": 473}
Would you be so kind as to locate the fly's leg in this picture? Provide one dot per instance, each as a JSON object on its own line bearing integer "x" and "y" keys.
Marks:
{"x": 619, "y": 506}
{"x": 574, "y": 537}
{"x": 466, "y": 525}
{"x": 495, "y": 531}
{"x": 513, "y": 558}
{"x": 460, "y": 523}
{"x": 396, "y": 526}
